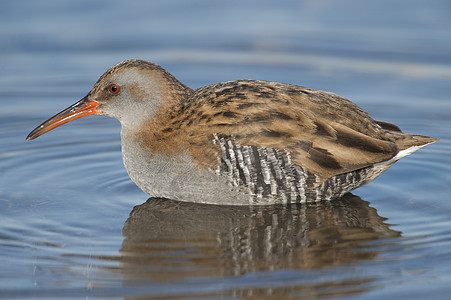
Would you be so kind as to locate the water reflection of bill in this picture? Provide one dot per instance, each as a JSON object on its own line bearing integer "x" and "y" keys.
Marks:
{"x": 167, "y": 240}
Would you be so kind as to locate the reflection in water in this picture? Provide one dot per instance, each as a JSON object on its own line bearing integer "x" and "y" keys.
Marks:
{"x": 167, "y": 240}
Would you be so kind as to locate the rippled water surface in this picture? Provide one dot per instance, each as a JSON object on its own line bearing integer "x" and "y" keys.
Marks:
{"x": 74, "y": 226}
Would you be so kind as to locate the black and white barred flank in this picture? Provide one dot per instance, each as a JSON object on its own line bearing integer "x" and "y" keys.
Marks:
{"x": 265, "y": 172}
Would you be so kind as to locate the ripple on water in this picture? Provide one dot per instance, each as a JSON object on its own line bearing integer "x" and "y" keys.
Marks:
{"x": 66, "y": 198}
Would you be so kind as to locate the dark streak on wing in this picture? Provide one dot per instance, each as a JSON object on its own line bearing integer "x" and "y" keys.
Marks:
{"x": 320, "y": 156}
{"x": 274, "y": 134}
{"x": 359, "y": 142}
{"x": 388, "y": 126}
{"x": 321, "y": 130}
{"x": 229, "y": 114}
{"x": 279, "y": 115}
{"x": 247, "y": 105}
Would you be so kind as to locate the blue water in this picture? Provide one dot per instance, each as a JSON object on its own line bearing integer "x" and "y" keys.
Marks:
{"x": 73, "y": 225}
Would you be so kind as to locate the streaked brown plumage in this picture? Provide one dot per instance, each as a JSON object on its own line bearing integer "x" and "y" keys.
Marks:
{"x": 320, "y": 135}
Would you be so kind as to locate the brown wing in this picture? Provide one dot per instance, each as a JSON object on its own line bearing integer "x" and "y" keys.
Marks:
{"x": 324, "y": 133}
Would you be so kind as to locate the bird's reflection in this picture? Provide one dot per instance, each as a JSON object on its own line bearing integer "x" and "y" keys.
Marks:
{"x": 167, "y": 240}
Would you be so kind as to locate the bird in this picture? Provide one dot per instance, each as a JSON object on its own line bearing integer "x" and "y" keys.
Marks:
{"x": 241, "y": 142}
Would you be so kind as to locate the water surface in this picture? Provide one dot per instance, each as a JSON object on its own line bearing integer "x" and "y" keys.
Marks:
{"x": 73, "y": 225}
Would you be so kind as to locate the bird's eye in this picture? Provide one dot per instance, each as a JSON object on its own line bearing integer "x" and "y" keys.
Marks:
{"x": 114, "y": 89}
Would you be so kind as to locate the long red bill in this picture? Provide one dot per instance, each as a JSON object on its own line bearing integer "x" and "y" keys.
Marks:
{"x": 82, "y": 108}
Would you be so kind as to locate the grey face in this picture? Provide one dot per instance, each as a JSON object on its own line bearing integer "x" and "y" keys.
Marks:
{"x": 129, "y": 95}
